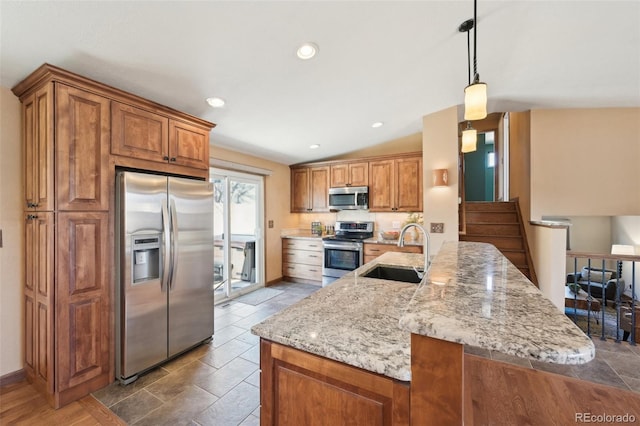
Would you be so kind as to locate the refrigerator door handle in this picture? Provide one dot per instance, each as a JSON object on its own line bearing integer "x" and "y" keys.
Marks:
{"x": 174, "y": 239}
{"x": 166, "y": 256}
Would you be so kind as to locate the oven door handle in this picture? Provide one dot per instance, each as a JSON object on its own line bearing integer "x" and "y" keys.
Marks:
{"x": 343, "y": 246}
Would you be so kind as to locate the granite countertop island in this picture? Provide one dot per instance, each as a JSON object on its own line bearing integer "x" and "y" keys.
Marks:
{"x": 472, "y": 295}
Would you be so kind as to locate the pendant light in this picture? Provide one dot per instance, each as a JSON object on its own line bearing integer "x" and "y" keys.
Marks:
{"x": 469, "y": 135}
{"x": 475, "y": 94}
{"x": 469, "y": 139}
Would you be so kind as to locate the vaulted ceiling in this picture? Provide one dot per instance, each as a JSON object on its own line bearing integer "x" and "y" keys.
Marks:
{"x": 387, "y": 61}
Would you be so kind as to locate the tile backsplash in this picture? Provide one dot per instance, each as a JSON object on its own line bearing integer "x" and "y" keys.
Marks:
{"x": 382, "y": 221}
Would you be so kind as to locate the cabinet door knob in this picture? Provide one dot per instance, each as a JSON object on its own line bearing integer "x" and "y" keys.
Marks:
{"x": 32, "y": 216}
{"x": 173, "y": 159}
{"x": 165, "y": 158}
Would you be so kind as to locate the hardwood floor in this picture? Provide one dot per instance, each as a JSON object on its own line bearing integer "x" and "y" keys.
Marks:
{"x": 20, "y": 403}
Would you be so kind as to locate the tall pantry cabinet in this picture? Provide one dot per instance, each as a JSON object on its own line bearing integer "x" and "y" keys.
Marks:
{"x": 75, "y": 135}
{"x": 67, "y": 292}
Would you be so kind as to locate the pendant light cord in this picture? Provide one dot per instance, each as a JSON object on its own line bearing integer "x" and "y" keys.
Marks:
{"x": 476, "y": 77}
{"x": 469, "y": 56}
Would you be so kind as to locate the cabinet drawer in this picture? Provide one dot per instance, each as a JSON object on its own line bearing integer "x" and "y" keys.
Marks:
{"x": 293, "y": 243}
{"x": 305, "y": 257}
{"x": 378, "y": 249}
{"x": 296, "y": 270}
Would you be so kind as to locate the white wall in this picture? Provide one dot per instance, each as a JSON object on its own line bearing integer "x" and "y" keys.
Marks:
{"x": 549, "y": 262}
{"x": 11, "y": 223}
{"x": 585, "y": 162}
{"x": 440, "y": 151}
{"x": 589, "y": 234}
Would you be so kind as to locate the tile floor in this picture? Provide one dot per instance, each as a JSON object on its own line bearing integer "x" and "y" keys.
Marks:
{"x": 218, "y": 383}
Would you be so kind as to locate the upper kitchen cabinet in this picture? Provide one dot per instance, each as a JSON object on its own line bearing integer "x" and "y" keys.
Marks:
{"x": 37, "y": 113}
{"x": 310, "y": 189}
{"x": 82, "y": 149}
{"x": 145, "y": 135}
{"x": 350, "y": 174}
{"x": 395, "y": 184}
{"x": 72, "y": 126}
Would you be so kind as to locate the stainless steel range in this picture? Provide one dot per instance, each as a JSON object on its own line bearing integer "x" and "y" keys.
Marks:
{"x": 344, "y": 251}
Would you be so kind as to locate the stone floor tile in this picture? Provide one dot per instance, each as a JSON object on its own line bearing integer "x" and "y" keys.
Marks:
{"x": 632, "y": 382}
{"x": 188, "y": 357}
{"x": 225, "y": 353}
{"x": 181, "y": 409}
{"x": 625, "y": 364}
{"x": 515, "y": 360}
{"x": 562, "y": 369}
{"x": 116, "y": 392}
{"x": 178, "y": 381}
{"x": 249, "y": 337}
{"x": 136, "y": 406}
{"x": 226, "y": 334}
{"x": 228, "y": 377}
{"x": 254, "y": 379}
{"x": 233, "y": 408}
{"x": 225, "y": 320}
{"x": 251, "y": 421}
{"x": 252, "y": 354}
{"x": 472, "y": 350}
{"x": 599, "y": 371}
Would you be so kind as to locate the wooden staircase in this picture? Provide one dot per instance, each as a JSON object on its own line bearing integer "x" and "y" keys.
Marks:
{"x": 500, "y": 224}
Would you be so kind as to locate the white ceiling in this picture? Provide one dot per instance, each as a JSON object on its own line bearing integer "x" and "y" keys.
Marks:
{"x": 389, "y": 61}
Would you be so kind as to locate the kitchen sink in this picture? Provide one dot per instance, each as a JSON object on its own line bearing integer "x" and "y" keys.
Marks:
{"x": 393, "y": 274}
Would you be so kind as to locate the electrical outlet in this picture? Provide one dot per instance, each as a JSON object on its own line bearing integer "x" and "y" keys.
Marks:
{"x": 395, "y": 224}
{"x": 270, "y": 224}
{"x": 437, "y": 228}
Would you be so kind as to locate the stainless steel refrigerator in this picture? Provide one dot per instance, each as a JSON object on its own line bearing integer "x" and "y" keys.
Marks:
{"x": 164, "y": 252}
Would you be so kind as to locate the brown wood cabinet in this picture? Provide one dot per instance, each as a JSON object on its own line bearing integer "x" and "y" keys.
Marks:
{"x": 373, "y": 250}
{"x": 39, "y": 299}
{"x": 298, "y": 388}
{"x": 142, "y": 134}
{"x": 302, "y": 259}
{"x": 37, "y": 113}
{"x": 82, "y": 134}
{"x": 310, "y": 189}
{"x": 350, "y": 174}
{"x": 396, "y": 184}
{"x": 68, "y": 124}
{"x": 67, "y": 303}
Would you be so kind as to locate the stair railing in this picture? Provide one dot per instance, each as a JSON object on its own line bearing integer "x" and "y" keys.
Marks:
{"x": 627, "y": 308}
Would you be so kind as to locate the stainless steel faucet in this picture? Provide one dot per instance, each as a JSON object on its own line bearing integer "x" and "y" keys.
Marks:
{"x": 425, "y": 246}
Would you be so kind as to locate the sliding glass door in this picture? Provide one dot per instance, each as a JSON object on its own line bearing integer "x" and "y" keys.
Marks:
{"x": 238, "y": 229}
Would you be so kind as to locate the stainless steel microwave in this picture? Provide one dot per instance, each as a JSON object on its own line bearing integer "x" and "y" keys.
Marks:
{"x": 349, "y": 198}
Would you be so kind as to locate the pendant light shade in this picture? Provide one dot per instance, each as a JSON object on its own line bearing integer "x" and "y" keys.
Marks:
{"x": 475, "y": 94}
{"x": 475, "y": 101}
{"x": 469, "y": 139}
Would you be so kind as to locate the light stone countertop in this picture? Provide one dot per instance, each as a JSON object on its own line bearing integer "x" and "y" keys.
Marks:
{"x": 302, "y": 236}
{"x": 367, "y": 322}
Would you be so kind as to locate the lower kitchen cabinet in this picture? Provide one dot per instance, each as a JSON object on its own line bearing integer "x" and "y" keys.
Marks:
{"x": 67, "y": 303}
{"x": 302, "y": 259}
{"x": 373, "y": 250}
{"x": 298, "y": 388}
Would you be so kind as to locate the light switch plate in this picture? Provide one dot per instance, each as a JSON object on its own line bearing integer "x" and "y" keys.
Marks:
{"x": 270, "y": 224}
{"x": 437, "y": 227}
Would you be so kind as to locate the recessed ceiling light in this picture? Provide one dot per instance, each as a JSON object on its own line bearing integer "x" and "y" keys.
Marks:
{"x": 307, "y": 51}
{"x": 314, "y": 146}
{"x": 215, "y": 102}
{"x": 377, "y": 124}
